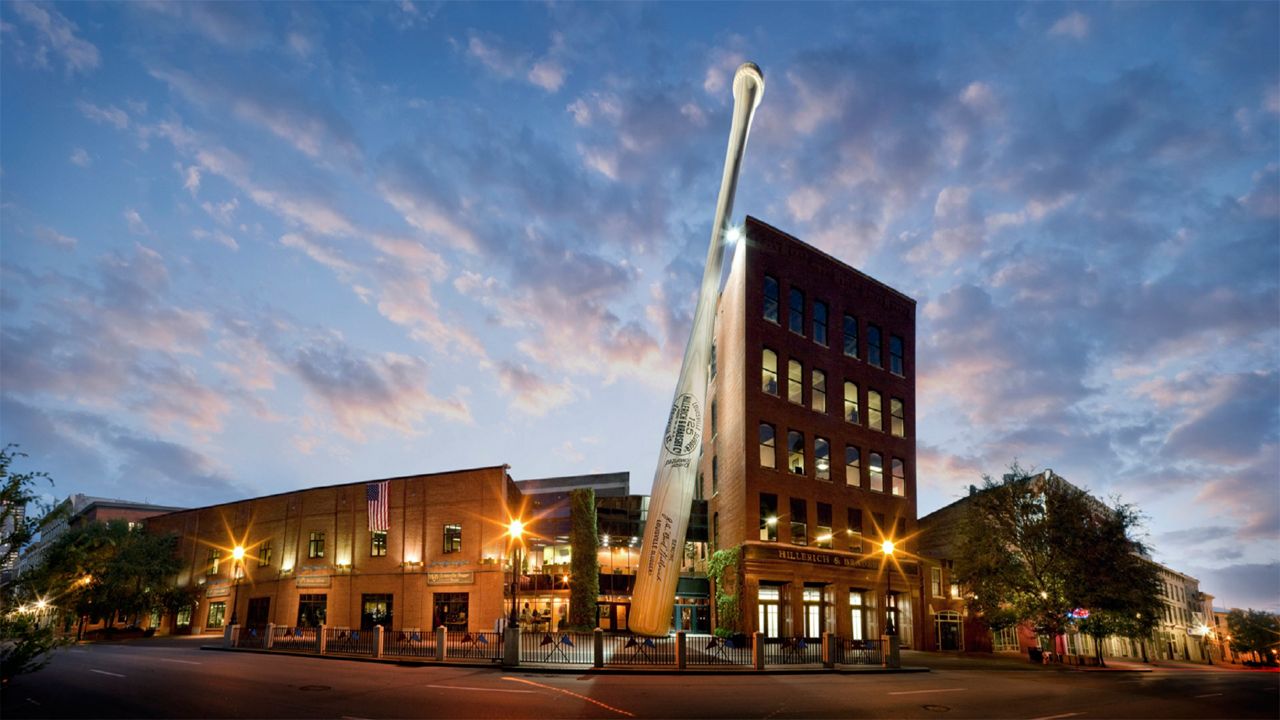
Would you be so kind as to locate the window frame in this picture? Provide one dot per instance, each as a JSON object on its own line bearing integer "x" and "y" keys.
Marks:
{"x": 315, "y": 544}
{"x": 875, "y": 410}
{"x": 820, "y": 324}
{"x": 897, "y": 360}
{"x": 377, "y": 543}
{"x": 898, "y": 477}
{"x": 802, "y": 505}
{"x": 794, "y": 437}
{"x": 264, "y": 553}
{"x": 795, "y": 381}
{"x": 795, "y": 320}
{"x": 875, "y": 349}
{"x": 857, "y": 465}
{"x": 855, "y": 402}
{"x": 767, "y": 373}
{"x": 771, "y": 444}
{"x": 897, "y": 417}
{"x": 818, "y": 390}
{"x": 768, "y": 522}
{"x": 776, "y": 298}
{"x": 819, "y": 456}
{"x": 874, "y": 474}
{"x": 452, "y": 538}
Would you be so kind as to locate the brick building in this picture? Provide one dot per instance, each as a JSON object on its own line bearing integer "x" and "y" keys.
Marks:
{"x": 810, "y": 457}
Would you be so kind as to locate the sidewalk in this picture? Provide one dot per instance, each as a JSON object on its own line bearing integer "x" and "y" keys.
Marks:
{"x": 1006, "y": 662}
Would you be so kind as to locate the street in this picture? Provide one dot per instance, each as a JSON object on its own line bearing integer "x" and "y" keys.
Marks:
{"x": 174, "y": 678}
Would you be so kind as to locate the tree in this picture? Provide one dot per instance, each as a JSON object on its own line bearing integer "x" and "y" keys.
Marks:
{"x": 1255, "y": 631}
{"x": 26, "y": 638}
{"x": 1035, "y": 548}
{"x": 584, "y": 590}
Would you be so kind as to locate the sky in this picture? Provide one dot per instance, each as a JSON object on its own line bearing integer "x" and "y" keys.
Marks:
{"x": 247, "y": 248}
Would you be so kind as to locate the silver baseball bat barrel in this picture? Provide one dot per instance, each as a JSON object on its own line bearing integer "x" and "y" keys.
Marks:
{"x": 653, "y": 598}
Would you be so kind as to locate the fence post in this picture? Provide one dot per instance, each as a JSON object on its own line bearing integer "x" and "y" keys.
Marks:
{"x": 757, "y": 650}
{"x": 270, "y": 640}
{"x": 226, "y": 637}
{"x": 322, "y": 639}
{"x": 511, "y": 646}
{"x": 828, "y": 650}
{"x": 378, "y": 634}
{"x": 235, "y": 635}
{"x": 889, "y": 651}
{"x": 682, "y": 650}
{"x": 597, "y": 648}
{"x": 442, "y": 637}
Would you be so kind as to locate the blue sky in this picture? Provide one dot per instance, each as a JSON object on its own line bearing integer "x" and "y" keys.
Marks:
{"x": 249, "y": 248}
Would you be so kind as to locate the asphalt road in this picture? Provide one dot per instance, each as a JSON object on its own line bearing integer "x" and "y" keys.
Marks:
{"x": 174, "y": 678}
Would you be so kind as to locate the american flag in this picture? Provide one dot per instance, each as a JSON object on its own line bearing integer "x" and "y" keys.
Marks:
{"x": 376, "y": 494}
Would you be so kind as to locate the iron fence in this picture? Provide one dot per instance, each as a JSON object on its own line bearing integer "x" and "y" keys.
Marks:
{"x": 712, "y": 650}
{"x": 792, "y": 651}
{"x": 571, "y": 648}
{"x": 474, "y": 645}
{"x": 252, "y": 636}
{"x": 639, "y": 650}
{"x": 349, "y": 642}
{"x": 409, "y": 643}
{"x": 856, "y": 652}
{"x": 295, "y": 639}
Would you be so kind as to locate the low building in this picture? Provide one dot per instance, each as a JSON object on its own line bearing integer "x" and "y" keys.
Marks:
{"x": 79, "y": 510}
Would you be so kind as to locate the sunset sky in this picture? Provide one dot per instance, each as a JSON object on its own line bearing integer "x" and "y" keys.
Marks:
{"x": 253, "y": 248}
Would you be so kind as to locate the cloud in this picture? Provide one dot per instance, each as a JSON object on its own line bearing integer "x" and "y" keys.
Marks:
{"x": 109, "y": 115}
{"x": 1242, "y": 585}
{"x": 531, "y": 393}
{"x": 54, "y": 35}
{"x": 547, "y": 74}
{"x": 80, "y": 157}
{"x": 230, "y": 25}
{"x": 53, "y": 237}
{"x": 1074, "y": 25}
{"x": 136, "y": 224}
{"x": 191, "y": 180}
{"x": 1231, "y": 418}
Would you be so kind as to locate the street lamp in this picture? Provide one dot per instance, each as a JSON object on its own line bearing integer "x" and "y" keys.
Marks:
{"x": 237, "y": 554}
{"x": 515, "y": 530}
{"x": 890, "y": 628}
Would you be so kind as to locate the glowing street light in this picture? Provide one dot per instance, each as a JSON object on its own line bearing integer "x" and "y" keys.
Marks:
{"x": 887, "y": 547}
{"x": 515, "y": 530}
{"x": 237, "y": 555}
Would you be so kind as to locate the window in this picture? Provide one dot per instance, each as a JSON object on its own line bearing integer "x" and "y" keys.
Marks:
{"x": 376, "y": 610}
{"x": 873, "y": 345}
{"x": 854, "y": 531}
{"x": 711, "y": 372}
{"x": 895, "y": 355}
{"x": 769, "y": 372}
{"x": 818, "y": 395}
{"x": 452, "y": 538}
{"x": 935, "y": 581}
{"x": 823, "y": 537}
{"x": 822, "y": 458}
{"x": 820, "y": 323}
{"x": 715, "y": 475}
{"x": 899, "y": 478}
{"x": 713, "y": 418}
{"x": 900, "y": 532}
{"x": 768, "y": 517}
{"x": 875, "y": 415}
{"x": 770, "y": 299}
{"x": 378, "y": 543}
{"x": 183, "y": 618}
{"x": 264, "y": 554}
{"x": 315, "y": 546}
{"x": 851, "y": 336}
{"x": 812, "y": 599}
{"x": 799, "y": 522}
{"x": 795, "y": 311}
{"x": 851, "y": 402}
{"x": 955, "y": 591}
{"x": 795, "y": 451}
{"x": 312, "y": 610}
{"x": 217, "y": 614}
{"x": 897, "y": 419}
{"x": 859, "y": 610}
{"x": 852, "y": 466}
{"x": 715, "y": 531}
{"x": 795, "y": 382}
{"x": 767, "y": 456}
{"x": 878, "y": 519}
{"x": 211, "y": 565}
{"x": 876, "y": 468}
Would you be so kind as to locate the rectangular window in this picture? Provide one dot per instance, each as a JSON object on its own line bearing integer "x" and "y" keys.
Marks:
{"x": 768, "y": 517}
{"x": 875, "y": 413}
{"x": 770, "y": 299}
{"x": 715, "y": 531}
{"x": 895, "y": 355}
{"x": 859, "y": 611}
{"x": 715, "y": 475}
{"x": 897, "y": 418}
{"x": 854, "y": 531}
{"x": 935, "y": 581}
{"x": 313, "y": 610}
{"x": 713, "y": 418}
{"x": 880, "y": 527}
{"x": 711, "y": 371}
{"x": 769, "y": 372}
{"x": 851, "y": 402}
{"x": 315, "y": 546}
{"x": 873, "y": 346}
{"x": 217, "y": 614}
{"x": 799, "y": 522}
{"x": 823, "y": 537}
{"x": 377, "y": 543}
{"x": 795, "y": 452}
{"x": 795, "y": 382}
{"x": 795, "y": 311}
{"x": 452, "y": 538}
{"x": 852, "y": 466}
{"x": 822, "y": 458}
{"x": 899, "y": 478}
{"x": 768, "y": 457}
{"x": 264, "y": 554}
{"x": 851, "y": 336}
{"x": 875, "y": 466}
{"x": 211, "y": 565}
{"x": 183, "y": 618}
{"x": 820, "y": 323}
{"x": 376, "y": 610}
{"x": 955, "y": 591}
{"x": 818, "y": 394}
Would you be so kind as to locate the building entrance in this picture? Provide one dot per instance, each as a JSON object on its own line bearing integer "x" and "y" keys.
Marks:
{"x": 613, "y": 616}
{"x": 947, "y": 625}
{"x": 259, "y": 612}
{"x": 769, "y": 603}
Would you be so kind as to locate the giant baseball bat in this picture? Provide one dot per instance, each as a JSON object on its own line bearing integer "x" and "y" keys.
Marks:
{"x": 673, "y": 481}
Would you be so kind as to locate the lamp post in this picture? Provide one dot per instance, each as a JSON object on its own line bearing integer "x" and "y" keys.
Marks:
{"x": 890, "y": 628}
{"x": 237, "y": 555}
{"x": 515, "y": 530}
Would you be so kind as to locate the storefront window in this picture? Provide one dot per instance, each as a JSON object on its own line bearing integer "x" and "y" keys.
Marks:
{"x": 769, "y": 603}
{"x": 375, "y": 610}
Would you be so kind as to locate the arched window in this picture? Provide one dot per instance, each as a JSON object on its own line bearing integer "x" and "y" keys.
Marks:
{"x": 767, "y": 454}
{"x": 899, "y": 478}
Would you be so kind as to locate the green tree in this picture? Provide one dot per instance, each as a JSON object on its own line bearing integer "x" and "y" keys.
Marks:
{"x": 1255, "y": 631}
{"x": 26, "y": 637}
{"x": 584, "y": 538}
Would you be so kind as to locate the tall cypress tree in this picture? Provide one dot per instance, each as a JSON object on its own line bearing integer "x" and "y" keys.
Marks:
{"x": 584, "y": 585}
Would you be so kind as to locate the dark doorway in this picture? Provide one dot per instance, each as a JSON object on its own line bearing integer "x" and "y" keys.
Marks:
{"x": 451, "y": 611}
{"x": 259, "y": 612}
{"x": 948, "y": 624}
{"x": 375, "y": 610}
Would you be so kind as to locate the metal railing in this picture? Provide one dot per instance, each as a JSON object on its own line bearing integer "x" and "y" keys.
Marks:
{"x": 848, "y": 651}
{"x": 295, "y": 639}
{"x": 474, "y": 645}
{"x": 252, "y": 636}
{"x": 712, "y": 650}
{"x": 349, "y": 642}
{"x": 792, "y": 651}
{"x": 566, "y": 648}
{"x": 409, "y": 643}
{"x": 639, "y": 650}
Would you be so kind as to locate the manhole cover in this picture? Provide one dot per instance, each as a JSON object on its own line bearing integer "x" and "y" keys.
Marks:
{"x": 935, "y": 708}
{"x": 314, "y": 688}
